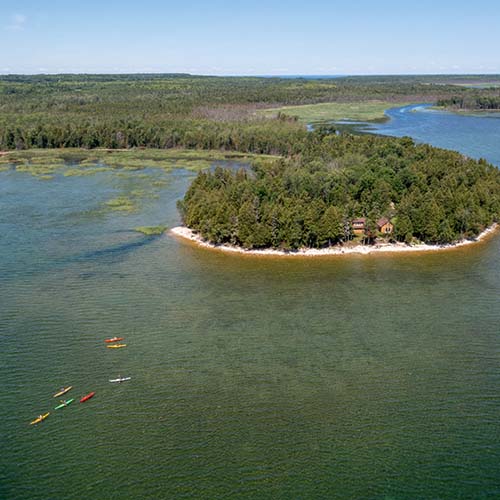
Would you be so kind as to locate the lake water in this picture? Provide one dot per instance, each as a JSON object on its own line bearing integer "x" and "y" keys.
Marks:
{"x": 342, "y": 377}
{"x": 477, "y": 136}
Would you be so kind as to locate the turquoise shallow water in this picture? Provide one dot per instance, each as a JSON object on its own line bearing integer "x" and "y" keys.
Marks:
{"x": 344, "y": 377}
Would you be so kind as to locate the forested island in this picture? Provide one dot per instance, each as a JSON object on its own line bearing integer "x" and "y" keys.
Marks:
{"x": 342, "y": 187}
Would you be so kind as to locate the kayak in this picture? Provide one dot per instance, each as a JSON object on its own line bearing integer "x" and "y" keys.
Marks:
{"x": 87, "y": 397}
{"x": 114, "y": 339}
{"x": 63, "y": 390}
{"x": 116, "y": 346}
{"x": 120, "y": 379}
{"x": 64, "y": 403}
{"x": 41, "y": 418}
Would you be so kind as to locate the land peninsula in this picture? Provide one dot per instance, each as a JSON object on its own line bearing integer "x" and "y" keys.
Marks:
{"x": 344, "y": 191}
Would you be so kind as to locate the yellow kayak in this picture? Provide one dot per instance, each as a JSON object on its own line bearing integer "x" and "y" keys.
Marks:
{"x": 116, "y": 346}
{"x": 63, "y": 390}
{"x": 41, "y": 418}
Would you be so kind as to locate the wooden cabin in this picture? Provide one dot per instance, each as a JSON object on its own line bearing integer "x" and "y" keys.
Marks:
{"x": 385, "y": 226}
{"x": 359, "y": 225}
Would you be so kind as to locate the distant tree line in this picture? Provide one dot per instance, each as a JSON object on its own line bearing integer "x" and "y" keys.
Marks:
{"x": 474, "y": 102}
{"x": 431, "y": 195}
{"x": 261, "y": 137}
{"x": 164, "y": 111}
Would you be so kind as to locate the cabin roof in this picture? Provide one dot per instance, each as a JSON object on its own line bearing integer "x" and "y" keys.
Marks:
{"x": 383, "y": 221}
{"x": 360, "y": 220}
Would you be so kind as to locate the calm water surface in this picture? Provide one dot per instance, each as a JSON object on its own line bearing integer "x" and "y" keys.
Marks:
{"x": 344, "y": 377}
{"x": 477, "y": 136}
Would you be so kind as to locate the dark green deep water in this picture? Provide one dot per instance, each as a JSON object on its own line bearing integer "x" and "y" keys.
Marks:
{"x": 341, "y": 377}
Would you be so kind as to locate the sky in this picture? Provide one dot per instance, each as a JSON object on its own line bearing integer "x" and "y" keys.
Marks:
{"x": 257, "y": 37}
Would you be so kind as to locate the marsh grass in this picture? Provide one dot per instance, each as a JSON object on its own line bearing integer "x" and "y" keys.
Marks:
{"x": 75, "y": 172}
{"x": 159, "y": 183}
{"x": 44, "y": 164}
{"x": 122, "y": 203}
{"x": 46, "y": 170}
{"x": 336, "y": 111}
{"x": 39, "y": 162}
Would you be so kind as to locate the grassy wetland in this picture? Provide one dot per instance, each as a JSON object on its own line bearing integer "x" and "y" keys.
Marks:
{"x": 363, "y": 111}
{"x": 79, "y": 162}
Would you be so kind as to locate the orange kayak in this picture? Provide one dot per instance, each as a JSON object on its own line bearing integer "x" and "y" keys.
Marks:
{"x": 114, "y": 339}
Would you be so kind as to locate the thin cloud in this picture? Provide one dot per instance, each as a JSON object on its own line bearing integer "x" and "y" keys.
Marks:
{"x": 17, "y": 22}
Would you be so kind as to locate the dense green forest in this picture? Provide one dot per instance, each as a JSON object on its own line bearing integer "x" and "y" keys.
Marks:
{"x": 472, "y": 102}
{"x": 430, "y": 194}
{"x": 166, "y": 111}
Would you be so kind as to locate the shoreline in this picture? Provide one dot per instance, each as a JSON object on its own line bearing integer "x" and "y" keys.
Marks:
{"x": 187, "y": 234}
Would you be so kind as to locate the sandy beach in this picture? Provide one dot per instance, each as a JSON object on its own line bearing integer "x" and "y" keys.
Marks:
{"x": 187, "y": 234}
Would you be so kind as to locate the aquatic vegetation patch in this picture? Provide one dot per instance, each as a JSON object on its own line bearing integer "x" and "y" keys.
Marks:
{"x": 137, "y": 193}
{"x": 122, "y": 203}
{"x": 193, "y": 165}
{"x": 130, "y": 159}
{"x": 151, "y": 230}
{"x": 79, "y": 172}
{"x": 38, "y": 170}
{"x": 87, "y": 214}
{"x": 92, "y": 162}
{"x": 159, "y": 183}
{"x": 145, "y": 168}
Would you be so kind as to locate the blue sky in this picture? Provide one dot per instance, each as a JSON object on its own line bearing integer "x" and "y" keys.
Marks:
{"x": 250, "y": 37}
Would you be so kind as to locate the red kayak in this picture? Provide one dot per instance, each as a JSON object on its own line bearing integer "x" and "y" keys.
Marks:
{"x": 87, "y": 397}
{"x": 114, "y": 339}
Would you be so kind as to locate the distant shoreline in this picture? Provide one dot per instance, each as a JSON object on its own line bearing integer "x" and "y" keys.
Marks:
{"x": 187, "y": 234}
{"x": 467, "y": 111}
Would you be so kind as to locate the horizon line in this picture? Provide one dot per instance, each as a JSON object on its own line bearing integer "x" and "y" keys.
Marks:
{"x": 244, "y": 75}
